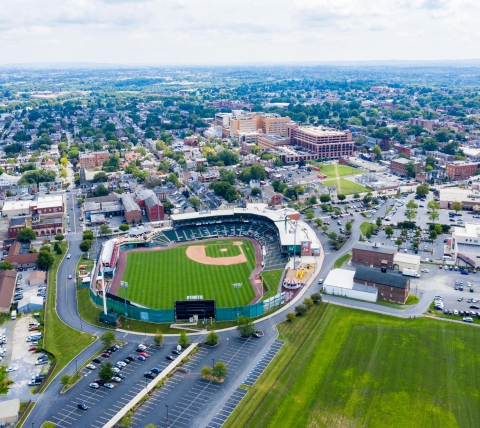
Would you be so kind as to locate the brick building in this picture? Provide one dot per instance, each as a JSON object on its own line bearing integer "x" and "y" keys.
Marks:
{"x": 19, "y": 258}
{"x": 92, "y": 160}
{"x": 399, "y": 166}
{"x": 326, "y": 143}
{"x": 372, "y": 254}
{"x": 392, "y": 287}
{"x": 148, "y": 201}
{"x": 132, "y": 211}
{"x": 461, "y": 170}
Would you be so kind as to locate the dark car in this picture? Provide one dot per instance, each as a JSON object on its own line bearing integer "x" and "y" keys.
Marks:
{"x": 82, "y": 406}
{"x": 155, "y": 370}
{"x": 120, "y": 375}
{"x": 149, "y": 375}
{"x": 256, "y": 335}
{"x": 40, "y": 376}
{"x": 106, "y": 355}
{"x": 99, "y": 381}
{"x": 170, "y": 357}
{"x": 176, "y": 352}
{"x": 461, "y": 313}
{"x": 460, "y": 288}
{"x": 471, "y": 290}
{"x": 131, "y": 358}
{"x": 97, "y": 360}
{"x": 126, "y": 361}
{"x": 474, "y": 307}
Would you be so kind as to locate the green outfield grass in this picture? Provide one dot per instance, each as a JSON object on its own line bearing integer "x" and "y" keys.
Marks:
{"x": 343, "y": 170}
{"x": 215, "y": 250}
{"x": 347, "y": 187}
{"x": 157, "y": 278}
{"x": 345, "y": 368}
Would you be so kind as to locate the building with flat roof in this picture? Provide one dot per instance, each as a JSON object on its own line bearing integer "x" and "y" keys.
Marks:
{"x": 340, "y": 282}
{"x": 8, "y": 279}
{"x": 399, "y": 166}
{"x": 16, "y": 208}
{"x": 373, "y": 254}
{"x": 464, "y": 246}
{"x": 9, "y": 410}
{"x": 467, "y": 197}
{"x": 325, "y": 143}
{"x": 406, "y": 261}
{"x": 461, "y": 170}
{"x": 271, "y": 142}
{"x": 90, "y": 160}
{"x": 393, "y": 287}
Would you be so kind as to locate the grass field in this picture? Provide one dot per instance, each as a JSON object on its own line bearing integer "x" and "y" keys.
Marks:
{"x": 364, "y": 227}
{"x": 271, "y": 279}
{"x": 157, "y": 278}
{"x": 345, "y": 368}
{"x": 347, "y": 187}
{"x": 341, "y": 260}
{"x": 342, "y": 170}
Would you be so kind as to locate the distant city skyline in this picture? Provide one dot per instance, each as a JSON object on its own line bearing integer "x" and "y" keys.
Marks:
{"x": 218, "y": 32}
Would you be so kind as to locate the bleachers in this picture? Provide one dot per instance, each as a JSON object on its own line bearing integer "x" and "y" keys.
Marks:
{"x": 171, "y": 235}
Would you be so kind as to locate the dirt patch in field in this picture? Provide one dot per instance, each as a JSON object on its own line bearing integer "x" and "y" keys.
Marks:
{"x": 223, "y": 250}
{"x": 197, "y": 254}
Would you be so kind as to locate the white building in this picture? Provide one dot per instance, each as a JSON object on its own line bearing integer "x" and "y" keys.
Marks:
{"x": 464, "y": 246}
{"x": 339, "y": 282}
{"x": 406, "y": 261}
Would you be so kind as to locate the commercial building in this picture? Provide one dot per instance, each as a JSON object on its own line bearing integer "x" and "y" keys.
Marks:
{"x": 8, "y": 279}
{"x": 92, "y": 160}
{"x": 326, "y": 143}
{"x": 241, "y": 122}
{"x": 399, "y": 165}
{"x": 467, "y": 197}
{"x": 41, "y": 225}
{"x": 16, "y": 208}
{"x": 459, "y": 170}
{"x": 373, "y": 254}
{"x": 425, "y": 124}
{"x": 19, "y": 256}
{"x": 464, "y": 246}
{"x": 392, "y": 287}
{"x": 341, "y": 282}
{"x": 37, "y": 278}
{"x": 49, "y": 204}
{"x": 406, "y": 261}
{"x": 149, "y": 202}
{"x": 272, "y": 142}
{"x": 9, "y": 411}
{"x": 272, "y": 123}
{"x": 132, "y": 211}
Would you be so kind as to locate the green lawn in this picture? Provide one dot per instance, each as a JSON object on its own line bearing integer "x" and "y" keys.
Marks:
{"x": 343, "y": 170}
{"x": 157, "y": 278}
{"x": 271, "y": 279}
{"x": 61, "y": 340}
{"x": 364, "y": 227}
{"x": 348, "y": 368}
{"x": 215, "y": 250}
{"x": 341, "y": 260}
{"x": 347, "y": 187}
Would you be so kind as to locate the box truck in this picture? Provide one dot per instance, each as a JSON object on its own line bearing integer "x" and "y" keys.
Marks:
{"x": 410, "y": 272}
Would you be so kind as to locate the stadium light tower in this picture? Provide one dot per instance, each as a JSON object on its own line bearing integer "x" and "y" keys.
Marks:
{"x": 237, "y": 286}
{"x": 125, "y": 285}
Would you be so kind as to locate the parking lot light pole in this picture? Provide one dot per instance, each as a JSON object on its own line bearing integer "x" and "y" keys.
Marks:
{"x": 213, "y": 362}
{"x": 76, "y": 366}
{"x": 168, "y": 420}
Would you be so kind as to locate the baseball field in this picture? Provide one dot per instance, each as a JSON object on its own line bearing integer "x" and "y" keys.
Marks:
{"x": 341, "y": 367}
{"x": 157, "y": 278}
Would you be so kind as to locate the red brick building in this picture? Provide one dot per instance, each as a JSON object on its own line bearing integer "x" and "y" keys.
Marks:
{"x": 133, "y": 213}
{"x": 276, "y": 199}
{"x": 399, "y": 166}
{"x": 461, "y": 170}
{"x": 92, "y": 160}
{"x": 392, "y": 287}
{"x": 367, "y": 254}
{"x": 147, "y": 200}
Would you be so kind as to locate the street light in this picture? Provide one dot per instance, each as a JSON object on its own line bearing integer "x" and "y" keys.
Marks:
{"x": 76, "y": 366}
{"x": 125, "y": 285}
{"x": 213, "y": 362}
{"x": 168, "y": 420}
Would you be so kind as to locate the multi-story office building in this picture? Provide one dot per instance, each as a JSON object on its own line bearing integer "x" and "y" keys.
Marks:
{"x": 271, "y": 123}
{"x": 92, "y": 160}
{"x": 326, "y": 143}
{"x": 461, "y": 170}
{"x": 425, "y": 124}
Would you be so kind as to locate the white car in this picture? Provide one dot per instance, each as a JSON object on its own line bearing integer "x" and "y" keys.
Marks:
{"x": 320, "y": 281}
{"x": 69, "y": 256}
{"x": 116, "y": 370}
{"x": 69, "y": 276}
{"x": 142, "y": 347}
{"x": 11, "y": 369}
{"x": 122, "y": 364}
{"x": 425, "y": 270}
{"x": 90, "y": 367}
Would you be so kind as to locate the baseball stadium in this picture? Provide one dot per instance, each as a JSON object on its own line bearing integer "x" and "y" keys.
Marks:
{"x": 206, "y": 265}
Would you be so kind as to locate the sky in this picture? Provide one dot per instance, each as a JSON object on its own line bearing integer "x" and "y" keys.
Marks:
{"x": 189, "y": 32}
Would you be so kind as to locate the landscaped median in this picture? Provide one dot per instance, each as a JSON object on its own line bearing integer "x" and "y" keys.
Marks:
{"x": 140, "y": 396}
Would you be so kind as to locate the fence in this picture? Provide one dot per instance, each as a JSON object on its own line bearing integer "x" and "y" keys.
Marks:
{"x": 168, "y": 315}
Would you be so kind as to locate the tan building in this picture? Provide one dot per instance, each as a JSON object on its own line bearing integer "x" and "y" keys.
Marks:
{"x": 326, "y": 143}
{"x": 92, "y": 160}
{"x": 271, "y": 123}
{"x": 271, "y": 142}
{"x": 241, "y": 123}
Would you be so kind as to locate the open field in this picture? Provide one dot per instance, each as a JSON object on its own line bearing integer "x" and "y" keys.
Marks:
{"x": 157, "y": 278}
{"x": 345, "y": 368}
{"x": 340, "y": 171}
{"x": 271, "y": 279}
{"x": 347, "y": 187}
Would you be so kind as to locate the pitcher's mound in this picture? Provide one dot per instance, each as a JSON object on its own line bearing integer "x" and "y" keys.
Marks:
{"x": 197, "y": 254}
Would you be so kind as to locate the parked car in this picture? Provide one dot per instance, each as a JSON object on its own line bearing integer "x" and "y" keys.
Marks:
{"x": 144, "y": 354}
{"x": 170, "y": 357}
{"x": 141, "y": 358}
{"x": 82, "y": 406}
{"x": 108, "y": 385}
{"x": 94, "y": 385}
{"x": 90, "y": 367}
{"x": 97, "y": 360}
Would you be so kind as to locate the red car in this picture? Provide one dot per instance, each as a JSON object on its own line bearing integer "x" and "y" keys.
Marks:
{"x": 32, "y": 348}
{"x": 440, "y": 267}
{"x": 106, "y": 355}
{"x": 143, "y": 354}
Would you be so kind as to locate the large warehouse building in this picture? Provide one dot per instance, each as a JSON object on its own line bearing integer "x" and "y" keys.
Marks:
{"x": 341, "y": 282}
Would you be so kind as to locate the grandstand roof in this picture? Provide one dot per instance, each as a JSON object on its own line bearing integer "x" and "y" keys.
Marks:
{"x": 285, "y": 231}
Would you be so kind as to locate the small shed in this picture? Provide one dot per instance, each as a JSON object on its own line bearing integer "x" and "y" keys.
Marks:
{"x": 9, "y": 411}
{"x": 37, "y": 278}
{"x": 31, "y": 303}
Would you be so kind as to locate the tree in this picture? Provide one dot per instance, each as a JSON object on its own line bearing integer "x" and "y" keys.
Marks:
{"x": 158, "y": 338}
{"x": 332, "y": 236}
{"x": 245, "y": 326}
{"x": 124, "y": 227}
{"x": 59, "y": 237}
{"x": 410, "y": 214}
{"x": 107, "y": 338}
{"x": 100, "y": 190}
{"x": 206, "y": 371}
{"x": 100, "y": 177}
{"x": 318, "y": 221}
{"x": 104, "y": 230}
{"x": 348, "y": 225}
{"x": 45, "y": 259}
{"x": 324, "y": 198}
{"x": 378, "y": 152}
{"x": 411, "y": 205}
{"x": 378, "y": 221}
{"x": 301, "y": 309}
{"x": 389, "y": 231}
{"x": 356, "y": 195}
{"x": 256, "y": 191}
{"x": 316, "y": 297}
{"x": 87, "y": 235}
{"x": 438, "y": 229}
{"x": 6, "y": 266}
{"x": 433, "y": 205}
{"x": 433, "y": 235}
{"x": 456, "y": 206}
{"x": 308, "y": 302}
{"x": 398, "y": 242}
{"x": 411, "y": 169}
{"x": 183, "y": 340}
{"x": 219, "y": 370}
{"x": 64, "y": 380}
{"x": 212, "y": 338}
{"x": 423, "y": 190}
{"x": 194, "y": 202}
{"x": 26, "y": 235}
{"x": 85, "y": 245}
{"x": 309, "y": 214}
{"x": 105, "y": 371}
{"x": 368, "y": 233}
{"x": 367, "y": 198}
{"x": 433, "y": 216}
{"x": 291, "y": 316}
